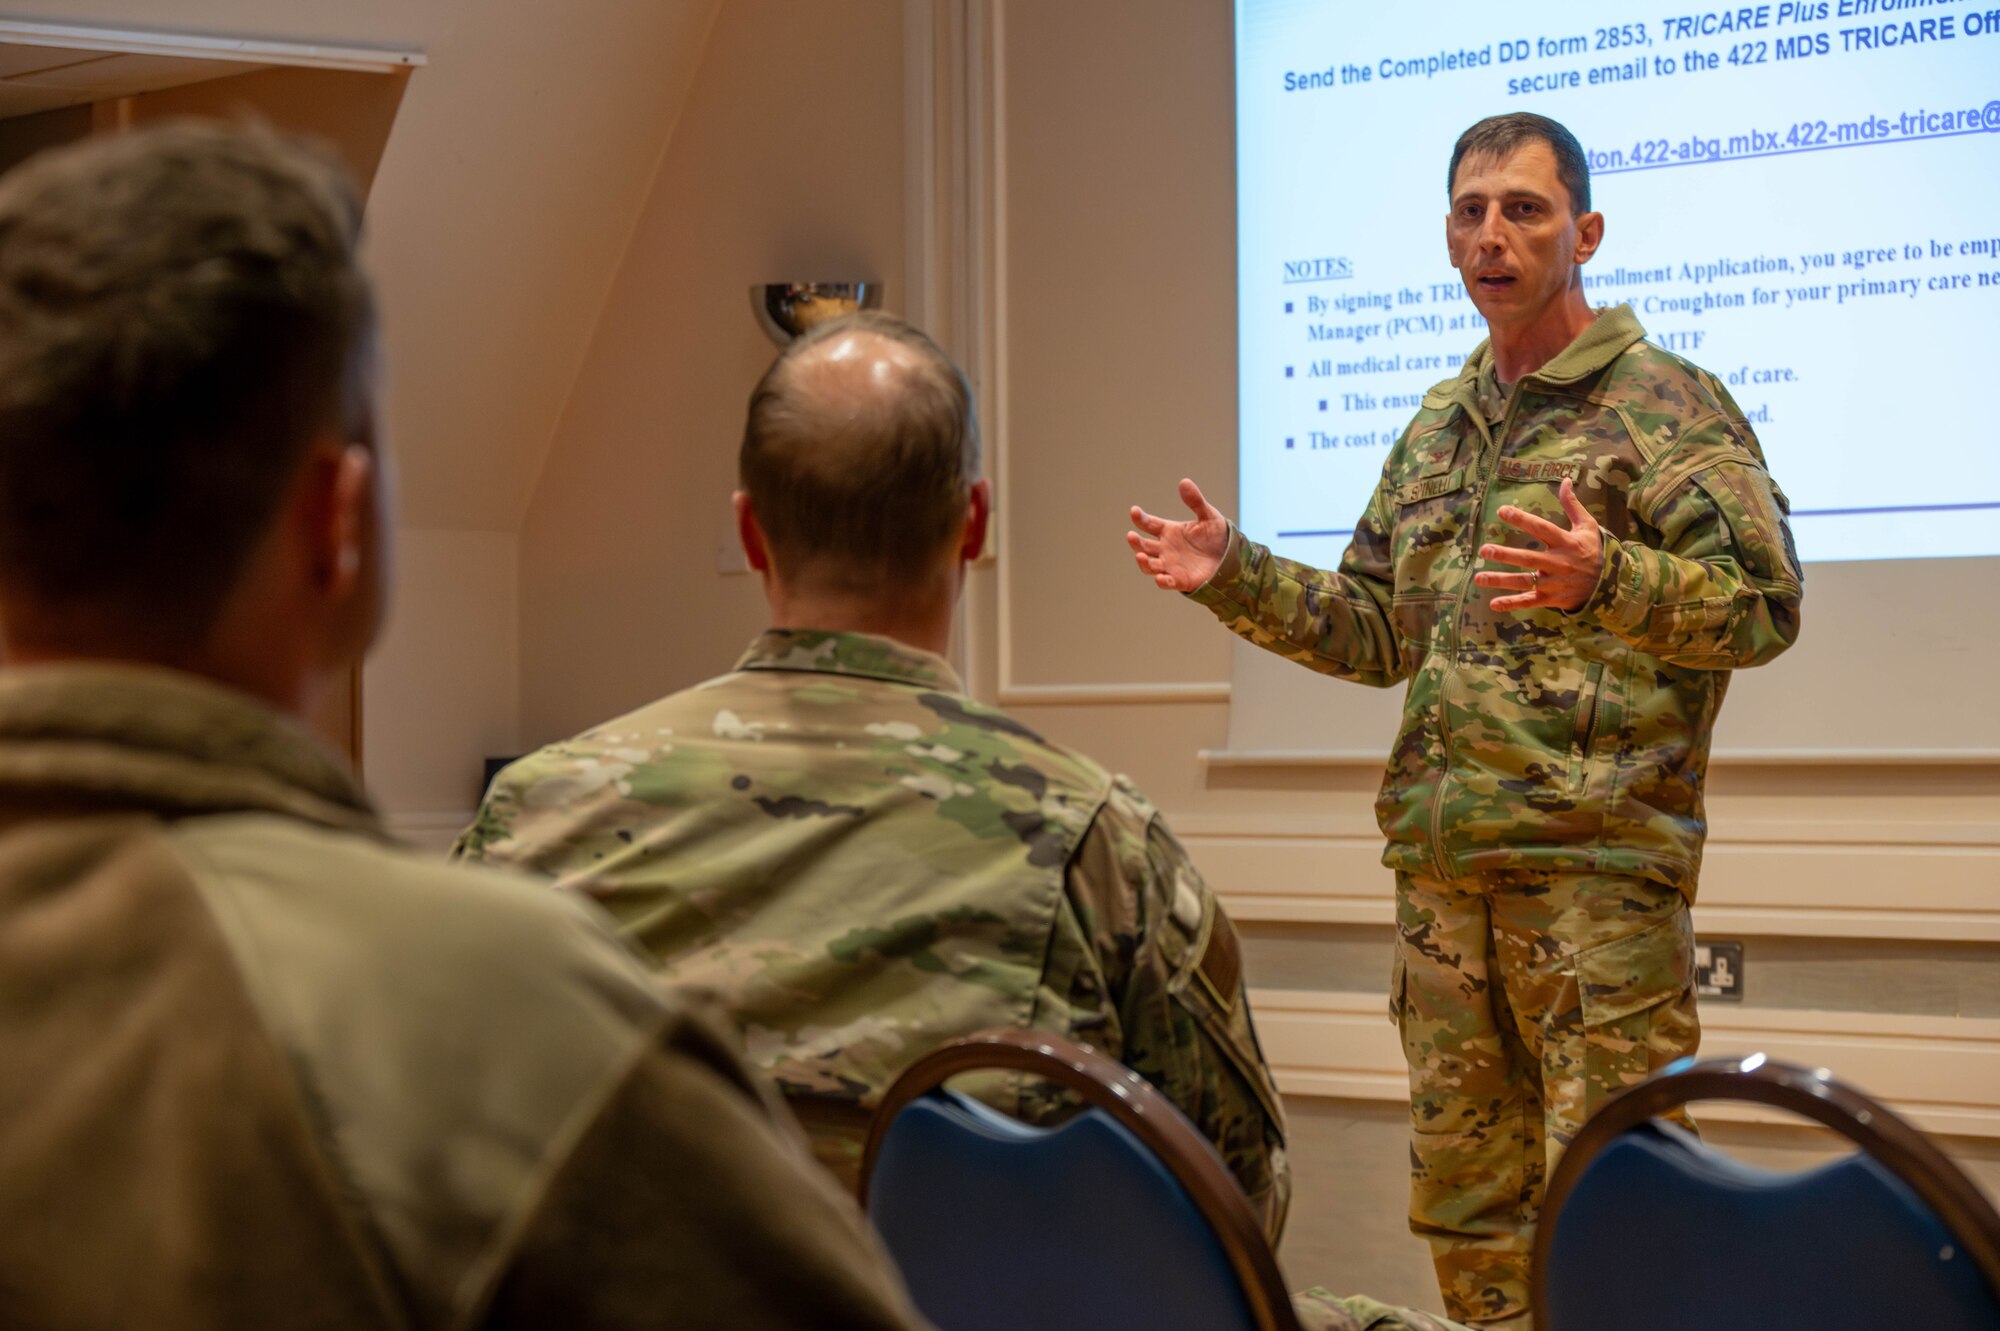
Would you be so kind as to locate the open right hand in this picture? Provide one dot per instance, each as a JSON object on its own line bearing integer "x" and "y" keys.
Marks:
{"x": 1180, "y": 556}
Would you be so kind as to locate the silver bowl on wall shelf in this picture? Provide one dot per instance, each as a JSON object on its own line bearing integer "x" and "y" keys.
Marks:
{"x": 787, "y": 309}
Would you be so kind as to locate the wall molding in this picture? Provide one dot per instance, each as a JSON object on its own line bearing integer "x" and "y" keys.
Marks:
{"x": 1099, "y": 695}
{"x": 1253, "y": 759}
{"x": 955, "y": 151}
{"x": 1269, "y": 759}
{"x": 1941, "y": 1073}
{"x": 1787, "y": 878}
{"x": 195, "y": 46}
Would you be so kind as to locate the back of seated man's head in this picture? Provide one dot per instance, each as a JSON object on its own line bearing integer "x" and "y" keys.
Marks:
{"x": 185, "y": 334}
{"x": 860, "y": 458}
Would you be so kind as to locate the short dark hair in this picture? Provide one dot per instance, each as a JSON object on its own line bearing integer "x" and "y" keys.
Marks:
{"x": 860, "y": 496}
{"x": 181, "y": 311}
{"x": 1501, "y": 135}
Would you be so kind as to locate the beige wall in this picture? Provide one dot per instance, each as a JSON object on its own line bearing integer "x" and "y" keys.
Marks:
{"x": 1121, "y": 326}
{"x": 513, "y": 175}
{"x": 348, "y": 109}
{"x": 516, "y": 167}
{"x": 448, "y": 673}
{"x": 787, "y": 164}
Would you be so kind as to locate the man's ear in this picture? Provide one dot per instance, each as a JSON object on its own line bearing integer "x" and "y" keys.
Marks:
{"x": 344, "y": 495}
{"x": 978, "y": 514}
{"x": 1589, "y": 235}
{"x": 749, "y": 533}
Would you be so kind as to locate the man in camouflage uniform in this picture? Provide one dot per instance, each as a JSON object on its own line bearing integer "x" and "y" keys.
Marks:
{"x": 859, "y": 860}
{"x": 1542, "y": 802}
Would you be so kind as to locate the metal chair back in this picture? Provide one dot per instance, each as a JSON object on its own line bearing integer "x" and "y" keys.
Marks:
{"x": 1121, "y": 1217}
{"x": 1647, "y": 1229}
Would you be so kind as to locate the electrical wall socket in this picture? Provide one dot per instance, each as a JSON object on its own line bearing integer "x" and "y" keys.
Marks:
{"x": 1718, "y": 971}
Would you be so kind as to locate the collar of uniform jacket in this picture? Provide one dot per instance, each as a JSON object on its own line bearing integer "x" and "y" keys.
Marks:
{"x": 1595, "y": 347}
{"x": 867, "y": 655}
{"x": 82, "y": 738}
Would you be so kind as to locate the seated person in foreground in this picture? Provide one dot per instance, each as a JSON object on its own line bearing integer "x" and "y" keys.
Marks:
{"x": 857, "y": 859}
{"x": 264, "y": 1069}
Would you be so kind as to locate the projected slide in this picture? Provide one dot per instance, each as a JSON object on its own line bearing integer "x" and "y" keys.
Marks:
{"x": 1803, "y": 198}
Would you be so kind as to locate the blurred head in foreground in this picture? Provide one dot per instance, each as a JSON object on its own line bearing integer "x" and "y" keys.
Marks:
{"x": 190, "y": 473}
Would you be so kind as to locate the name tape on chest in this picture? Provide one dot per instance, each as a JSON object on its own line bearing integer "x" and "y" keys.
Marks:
{"x": 1522, "y": 469}
{"x": 1429, "y": 488}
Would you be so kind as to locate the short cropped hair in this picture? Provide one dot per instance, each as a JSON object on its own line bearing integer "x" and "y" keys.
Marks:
{"x": 1501, "y": 135}
{"x": 181, "y": 312}
{"x": 861, "y": 495}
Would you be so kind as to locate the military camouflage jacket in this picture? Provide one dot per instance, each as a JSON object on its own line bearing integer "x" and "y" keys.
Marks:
{"x": 1541, "y": 738}
{"x": 860, "y": 862}
{"x": 266, "y": 1069}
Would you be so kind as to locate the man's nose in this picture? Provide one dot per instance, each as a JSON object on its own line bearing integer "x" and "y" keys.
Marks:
{"x": 1491, "y": 233}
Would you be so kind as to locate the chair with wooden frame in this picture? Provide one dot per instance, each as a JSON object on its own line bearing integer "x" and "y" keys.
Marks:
{"x": 1644, "y": 1228}
{"x": 1123, "y": 1216}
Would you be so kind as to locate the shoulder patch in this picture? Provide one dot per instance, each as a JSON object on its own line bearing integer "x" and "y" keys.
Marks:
{"x": 1221, "y": 966}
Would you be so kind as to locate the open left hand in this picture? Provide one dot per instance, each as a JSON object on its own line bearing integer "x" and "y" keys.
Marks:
{"x": 1562, "y": 574}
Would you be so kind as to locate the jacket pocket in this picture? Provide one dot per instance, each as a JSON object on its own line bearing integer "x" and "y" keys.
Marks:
{"x": 1586, "y": 729}
{"x": 1416, "y": 620}
{"x": 1652, "y": 746}
{"x": 1208, "y": 988}
{"x": 1397, "y": 970}
{"x": 1512, "y": 723}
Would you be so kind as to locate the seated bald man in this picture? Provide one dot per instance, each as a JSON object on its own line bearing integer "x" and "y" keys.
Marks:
{"x": 262, "y": 1067}
{"x": 860, "y": 860}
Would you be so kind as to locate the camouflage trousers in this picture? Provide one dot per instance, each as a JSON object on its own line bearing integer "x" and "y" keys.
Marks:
{"x": 1523, "y": 999}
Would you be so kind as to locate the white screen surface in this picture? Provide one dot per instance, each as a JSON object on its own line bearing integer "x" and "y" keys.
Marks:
{"x": 1803, "y": 198}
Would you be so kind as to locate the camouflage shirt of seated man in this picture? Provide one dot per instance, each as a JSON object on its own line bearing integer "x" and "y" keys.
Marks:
{"x": 861, "y": 862}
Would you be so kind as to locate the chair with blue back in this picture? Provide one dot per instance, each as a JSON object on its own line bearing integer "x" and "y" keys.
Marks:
{"x": 1647, "y": 1229}
{"x": 1123, "y": 1216}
